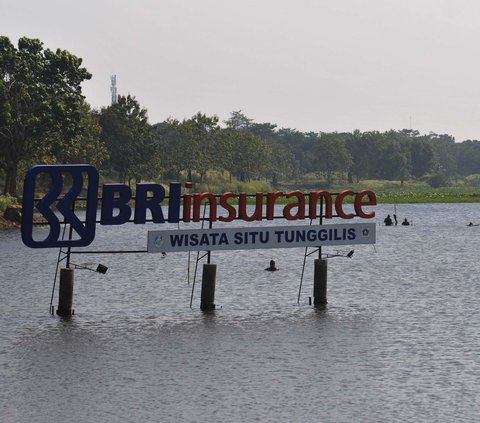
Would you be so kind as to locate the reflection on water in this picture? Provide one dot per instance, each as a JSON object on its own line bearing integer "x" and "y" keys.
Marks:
{"x": 398, "y": 341}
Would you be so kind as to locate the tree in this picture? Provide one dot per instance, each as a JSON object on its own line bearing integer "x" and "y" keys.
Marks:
{"x": 225, "y": 142}
{"x": 362, "y": 147}
{"x": 203, "y": 130}
{"x": 40, "y": 98}
{"x": 395, "y": 157}
{"x": 168, "y": 136}
{"x": 303, "y": 145}
{"x": 263, "y": 130}
{"x": 130, "y": 140}
{"x": 332, "y": 155}
{"x": 250, "y": 156}
{"x": 444, "y": 153}
{"x": 468, "y": 157}
{"x": 86, "y": 146}
{"x": 282, "y": 163}
{"x": 421, "y": 153}
{"x": 238, "y": 121}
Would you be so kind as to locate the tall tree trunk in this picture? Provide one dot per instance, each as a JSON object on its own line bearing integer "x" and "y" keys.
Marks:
{"x": 11, "y": 180}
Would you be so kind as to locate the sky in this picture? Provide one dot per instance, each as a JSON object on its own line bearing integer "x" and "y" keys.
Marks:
{"x": 310, "y": 65}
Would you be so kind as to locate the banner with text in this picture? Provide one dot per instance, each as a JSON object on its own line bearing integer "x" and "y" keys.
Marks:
{"x": 260, "y": 237}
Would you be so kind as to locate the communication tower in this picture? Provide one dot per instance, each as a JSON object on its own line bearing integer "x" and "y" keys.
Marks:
{"x": 113, "y": 89}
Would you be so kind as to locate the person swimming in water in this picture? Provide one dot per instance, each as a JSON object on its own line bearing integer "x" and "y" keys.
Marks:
{"x": 388, "y": 221}
{"x": 405, "y": 222}
{"x": 272, "y": 267}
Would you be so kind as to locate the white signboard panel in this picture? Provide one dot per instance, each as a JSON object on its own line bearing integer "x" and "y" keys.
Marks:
{"x": 260, "y": 237}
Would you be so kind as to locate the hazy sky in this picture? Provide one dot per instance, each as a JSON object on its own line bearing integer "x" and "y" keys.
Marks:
{"x": 313, "y": 65}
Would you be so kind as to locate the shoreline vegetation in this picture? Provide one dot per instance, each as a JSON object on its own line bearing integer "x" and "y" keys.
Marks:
{"x": 387, "y": 192}
{"x": 52, "y": 123}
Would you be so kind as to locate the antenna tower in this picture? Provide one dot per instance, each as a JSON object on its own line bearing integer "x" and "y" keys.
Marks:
{"x": 113, "y": 89}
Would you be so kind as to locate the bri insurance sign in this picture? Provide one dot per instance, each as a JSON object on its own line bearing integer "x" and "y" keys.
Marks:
{"x": 66, "y": 183}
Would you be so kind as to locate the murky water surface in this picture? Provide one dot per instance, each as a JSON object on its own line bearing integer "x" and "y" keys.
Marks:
{"x": 399, "y": 340}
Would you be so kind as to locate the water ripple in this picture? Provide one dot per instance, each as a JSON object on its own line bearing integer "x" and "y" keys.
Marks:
{"x": 399, "y": 340}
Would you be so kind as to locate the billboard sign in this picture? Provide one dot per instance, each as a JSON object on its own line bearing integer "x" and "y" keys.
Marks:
{"x": 266, "y": 237}
{"x": 68, "y": 183}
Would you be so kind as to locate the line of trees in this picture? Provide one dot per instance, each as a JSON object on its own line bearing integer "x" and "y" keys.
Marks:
{"x": 44, "y": 119}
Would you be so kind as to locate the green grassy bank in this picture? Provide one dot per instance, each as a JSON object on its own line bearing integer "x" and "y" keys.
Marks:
{"x": 418, "y": 192}
{"x": 386, "y": 191}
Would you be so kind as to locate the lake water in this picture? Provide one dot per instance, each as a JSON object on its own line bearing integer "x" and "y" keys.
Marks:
{"x": 399, "y": 340}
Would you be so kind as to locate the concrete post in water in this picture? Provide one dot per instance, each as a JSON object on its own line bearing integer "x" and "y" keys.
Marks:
{"x": 208, "y": 287}
{"x": 65, "y": 294}
{"x": 320, "y": 282}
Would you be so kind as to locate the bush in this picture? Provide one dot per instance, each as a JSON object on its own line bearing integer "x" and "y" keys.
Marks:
{"x": 472, "y": 181}
{"x": 5, "y": 201}
{"x": 438, "y": 180}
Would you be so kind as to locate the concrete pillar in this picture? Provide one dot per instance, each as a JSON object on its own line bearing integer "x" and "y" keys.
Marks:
{"x": 65, "y": 295}
{"x": 320, "y": 282}
{"x": 208, "y": 287}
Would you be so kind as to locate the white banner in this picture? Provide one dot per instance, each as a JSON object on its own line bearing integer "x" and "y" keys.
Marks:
{"x": 260, "y": 237}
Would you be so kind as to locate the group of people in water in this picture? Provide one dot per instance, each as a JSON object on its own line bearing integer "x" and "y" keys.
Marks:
{"x": 389, "y": 222}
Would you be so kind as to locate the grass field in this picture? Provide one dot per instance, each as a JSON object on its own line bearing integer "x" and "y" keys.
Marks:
{"x": 386, "y": 191}
{"x": 419, "y": 192}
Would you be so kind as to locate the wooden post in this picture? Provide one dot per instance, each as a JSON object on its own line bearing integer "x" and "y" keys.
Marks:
{"x": 208, "y": 287}
{"x": 320, "y": 282}
{"x": 65, "y": 295}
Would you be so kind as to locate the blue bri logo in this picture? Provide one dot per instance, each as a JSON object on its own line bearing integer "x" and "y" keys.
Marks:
{"x": 85, "y": 230}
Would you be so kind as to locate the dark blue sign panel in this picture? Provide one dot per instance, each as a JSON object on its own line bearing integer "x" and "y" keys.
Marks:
{"x": 65, "y": 205}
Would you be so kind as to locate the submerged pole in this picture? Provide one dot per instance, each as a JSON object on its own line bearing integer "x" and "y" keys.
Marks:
{"x": 320, "y": 282}
{"x": 65, "y": 295}
{"x": 208, "y": 287}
